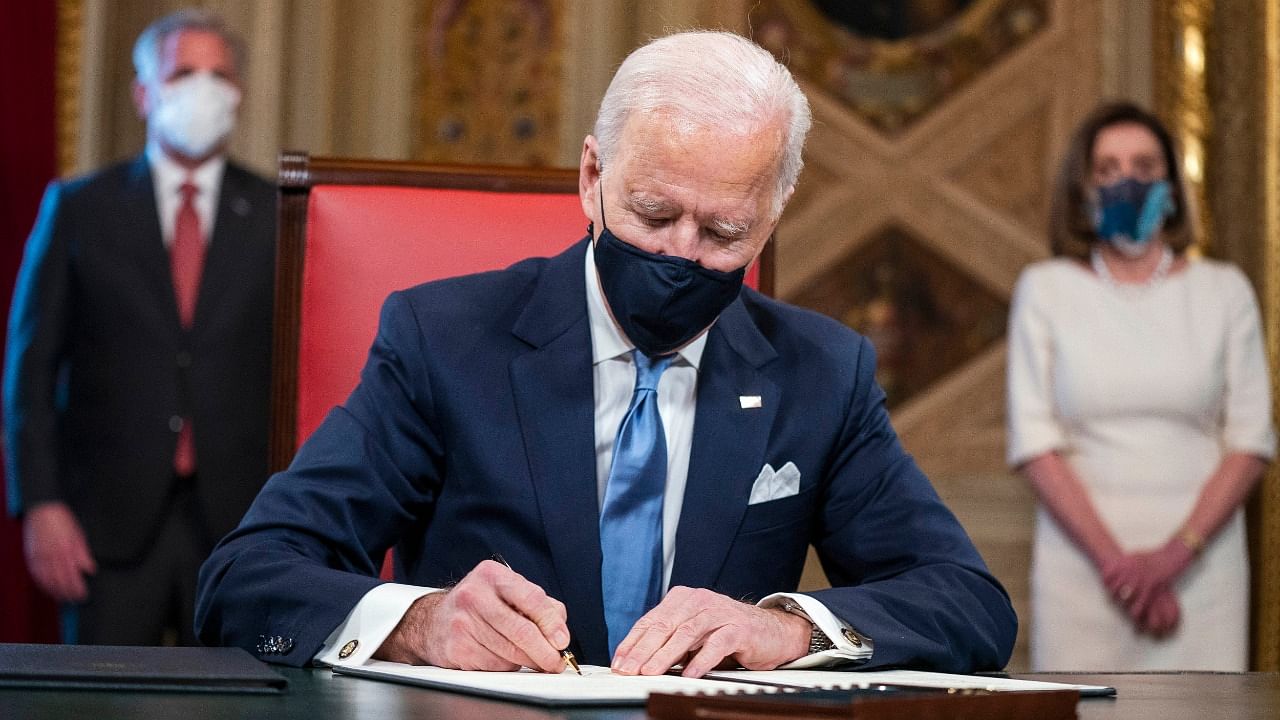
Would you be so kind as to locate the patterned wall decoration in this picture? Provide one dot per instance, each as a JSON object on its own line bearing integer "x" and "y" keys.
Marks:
{"x": 1182, "y": 98}
{"x": 892, "y": 61}
{"x": 924, "y": 315}
{"x": 489, "y": 88}
{"x": 70, "y": 52}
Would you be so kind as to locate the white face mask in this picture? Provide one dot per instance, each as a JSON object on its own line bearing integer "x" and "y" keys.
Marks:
{"x": 195, "y": 113}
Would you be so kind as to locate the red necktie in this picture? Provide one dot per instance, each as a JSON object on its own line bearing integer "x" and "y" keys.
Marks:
{"x": 187, "y": 262}
{"x": 187, "y": 255}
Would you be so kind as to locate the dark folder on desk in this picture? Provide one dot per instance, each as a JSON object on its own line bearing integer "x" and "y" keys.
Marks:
{"x": 113, "y": 667}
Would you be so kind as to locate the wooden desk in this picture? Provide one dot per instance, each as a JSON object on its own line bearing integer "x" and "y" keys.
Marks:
{"x": 1175, "y": 696}
{"x": 317, "y": 695}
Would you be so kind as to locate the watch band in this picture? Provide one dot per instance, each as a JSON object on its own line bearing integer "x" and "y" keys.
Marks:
{"x": 818, "y": 640}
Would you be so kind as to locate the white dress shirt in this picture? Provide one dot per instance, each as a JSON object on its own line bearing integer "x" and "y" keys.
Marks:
{"x": 168, "y": 176}
{"x": 613, "y": 378}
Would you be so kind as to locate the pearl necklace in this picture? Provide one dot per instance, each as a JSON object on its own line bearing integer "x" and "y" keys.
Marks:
{"x": 1104, "y": 273}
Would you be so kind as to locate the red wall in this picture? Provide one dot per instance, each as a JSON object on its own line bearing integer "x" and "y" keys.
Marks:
{"x": 27, "y": 164}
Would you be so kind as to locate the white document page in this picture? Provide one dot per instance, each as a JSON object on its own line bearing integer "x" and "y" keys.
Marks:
{"x": 596, "y": 686}
{"x": 599, "y": 686}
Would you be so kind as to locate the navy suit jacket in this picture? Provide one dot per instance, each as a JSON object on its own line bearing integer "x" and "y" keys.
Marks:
{"x": 97, "y": 362}
{"x": 471, "y": 433}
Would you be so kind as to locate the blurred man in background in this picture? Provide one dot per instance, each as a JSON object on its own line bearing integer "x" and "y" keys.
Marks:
{"x": 137, "y": 374}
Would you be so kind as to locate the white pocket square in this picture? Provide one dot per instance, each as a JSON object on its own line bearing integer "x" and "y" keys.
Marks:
{"x": 775, "y": 485}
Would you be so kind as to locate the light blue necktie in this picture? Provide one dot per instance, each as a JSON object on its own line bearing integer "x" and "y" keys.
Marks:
{"x": 631, "y": 519}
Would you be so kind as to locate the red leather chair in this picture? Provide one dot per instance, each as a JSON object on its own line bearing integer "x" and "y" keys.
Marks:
{"x": 353, "y": 231}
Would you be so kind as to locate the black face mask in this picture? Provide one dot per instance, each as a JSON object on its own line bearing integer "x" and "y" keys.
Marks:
{"x": 660, "y": 301}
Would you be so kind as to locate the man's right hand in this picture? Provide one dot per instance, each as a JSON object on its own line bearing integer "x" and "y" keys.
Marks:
{"x": 57, "y": 554}
{"x": 493, "y": 620}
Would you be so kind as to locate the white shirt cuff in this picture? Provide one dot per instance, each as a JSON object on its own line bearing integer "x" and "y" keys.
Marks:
{"x": 850, "y": 645}
{"x": 368, "y": 624}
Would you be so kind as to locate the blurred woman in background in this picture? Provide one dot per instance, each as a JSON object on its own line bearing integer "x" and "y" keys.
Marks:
{"x": 1140, "y": 412}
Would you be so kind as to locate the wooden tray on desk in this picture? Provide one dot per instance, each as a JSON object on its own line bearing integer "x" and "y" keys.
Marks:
{"x": 854, "y": 705}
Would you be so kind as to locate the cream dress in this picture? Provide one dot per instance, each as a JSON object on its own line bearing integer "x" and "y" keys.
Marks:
{"x": 1143, "y": 390}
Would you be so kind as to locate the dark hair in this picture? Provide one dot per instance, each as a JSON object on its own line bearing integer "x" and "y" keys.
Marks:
{"x": 1071, "y": 231}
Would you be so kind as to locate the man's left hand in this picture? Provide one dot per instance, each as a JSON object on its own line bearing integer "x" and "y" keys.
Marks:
{"x": 701, "y": 629}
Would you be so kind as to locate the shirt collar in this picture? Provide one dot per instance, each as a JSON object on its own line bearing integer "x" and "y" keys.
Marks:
{"x": 607, "y": 340}
{"x": 168, "y": 175}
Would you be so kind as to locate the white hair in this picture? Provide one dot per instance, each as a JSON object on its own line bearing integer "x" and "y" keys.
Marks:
{"x": 147, "y": 49}
{"x": 713, "y": 80}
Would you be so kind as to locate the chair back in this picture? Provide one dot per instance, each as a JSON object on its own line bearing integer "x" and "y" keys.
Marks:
{"x": 353, "y": 231}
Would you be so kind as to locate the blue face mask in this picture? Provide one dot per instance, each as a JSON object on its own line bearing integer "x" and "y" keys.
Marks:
{"x": 660, "y": 301}
{"x": 1128, "y": 213}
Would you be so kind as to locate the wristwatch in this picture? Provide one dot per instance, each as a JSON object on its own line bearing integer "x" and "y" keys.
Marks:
{"x": 818, "y": 640}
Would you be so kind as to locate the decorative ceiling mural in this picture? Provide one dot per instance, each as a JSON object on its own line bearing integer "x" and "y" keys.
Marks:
{"x": 892, "y": 19}
{"x": 892, "y": 61}
{"x": 924, "y": 316}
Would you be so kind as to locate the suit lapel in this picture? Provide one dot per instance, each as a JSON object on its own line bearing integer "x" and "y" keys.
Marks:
{"x": 147, "y": 239}
{"x": 229, "y": 232}
{"x": 556, "y": 408}
{"x": 729, "y": 444}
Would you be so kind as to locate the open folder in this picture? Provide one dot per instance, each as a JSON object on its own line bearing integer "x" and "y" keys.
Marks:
{"x": 599, "y": 686}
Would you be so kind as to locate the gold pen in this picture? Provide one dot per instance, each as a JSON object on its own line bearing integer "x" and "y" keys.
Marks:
{"x": 569, "y": 659}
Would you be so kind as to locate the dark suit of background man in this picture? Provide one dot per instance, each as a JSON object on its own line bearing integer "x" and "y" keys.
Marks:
{"x": 136, "y": 383}
{"x": 647, "y": 443}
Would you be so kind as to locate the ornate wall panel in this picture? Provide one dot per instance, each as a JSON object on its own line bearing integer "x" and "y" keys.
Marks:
{"x": 924, "y": 316}
{"x": 1183, "y": 32}
{"x": 892, "y": 61}
{"x": 69, "y": 90}
{"x": 913, "y": 219}
{"x": 490, "y": 81}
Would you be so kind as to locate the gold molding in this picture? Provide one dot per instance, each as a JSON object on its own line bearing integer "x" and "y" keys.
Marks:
{"x": 1182, "y": 99}
{"x": 67, "y": 86}
{"x": 1241, "y": 43}
{"x": 1266, "y": 582}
